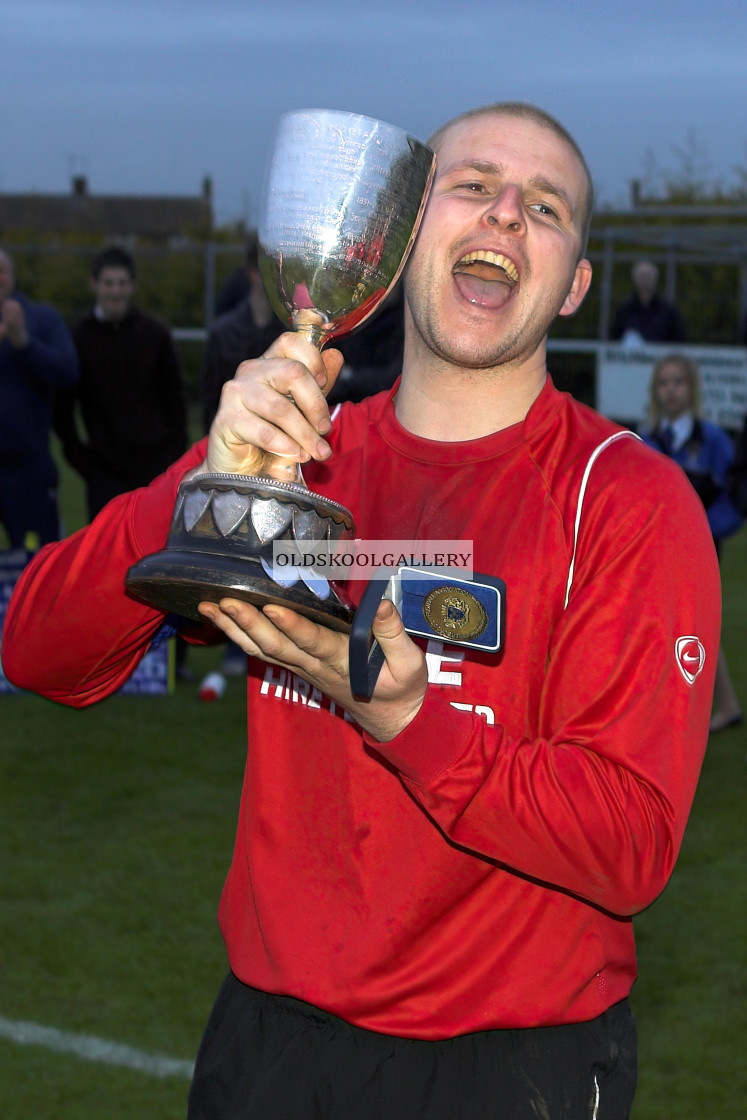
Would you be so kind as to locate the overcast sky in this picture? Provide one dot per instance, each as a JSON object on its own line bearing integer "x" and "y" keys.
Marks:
{"x": 149, "y": 96}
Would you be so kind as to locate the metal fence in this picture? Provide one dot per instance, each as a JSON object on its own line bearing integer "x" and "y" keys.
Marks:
{"x": 701, "y": 253}
{"x": 703, "y": 266}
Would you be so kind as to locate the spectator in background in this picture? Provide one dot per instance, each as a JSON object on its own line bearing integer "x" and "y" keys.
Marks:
{"x": 244, "y": 332}
{"x": 647, "y": 316}
{"x": 737, "y": 480}
{"x": 235, "y": 289}
{"x": 37, "y": 357}
{"x": 736, "y": 484}
{"x": 705, "y": 453}
{"x": 373, "y": 354}
{"x": 130, "y": 394}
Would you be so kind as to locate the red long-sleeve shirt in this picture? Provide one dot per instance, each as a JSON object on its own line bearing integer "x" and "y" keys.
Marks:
{"x": 480, "y": 870}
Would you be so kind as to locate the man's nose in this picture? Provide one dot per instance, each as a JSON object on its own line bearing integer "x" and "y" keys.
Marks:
{"x": 507, "y": 209}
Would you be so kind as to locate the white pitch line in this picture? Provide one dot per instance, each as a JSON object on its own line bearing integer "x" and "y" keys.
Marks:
{"x": 93, "y": 1049}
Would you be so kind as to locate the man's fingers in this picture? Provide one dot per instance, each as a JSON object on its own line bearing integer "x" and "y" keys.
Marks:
{"x": 324, "y": 367}
{"x": 318, "y": 642}
{"x": 275, "y": 404}
{"x": 280, "y": 636}
{"x": 387, "y": 625}
{"x": 261, "y": 415}
{"x": 333, "y": 363}
{"x": 276, "y": 633}
{"x": 224, "y": 622}
{"x": 404, "y": 658}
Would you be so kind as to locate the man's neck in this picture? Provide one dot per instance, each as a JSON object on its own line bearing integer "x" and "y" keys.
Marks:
{"x": 452, "y": 404}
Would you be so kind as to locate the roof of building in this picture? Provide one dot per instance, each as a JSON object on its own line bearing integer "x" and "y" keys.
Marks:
{"x": 149, "y": 216}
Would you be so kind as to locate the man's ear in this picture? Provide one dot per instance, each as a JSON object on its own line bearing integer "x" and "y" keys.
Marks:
{"x": 578, "y": 289}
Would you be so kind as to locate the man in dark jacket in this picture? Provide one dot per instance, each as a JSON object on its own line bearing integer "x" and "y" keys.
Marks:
{"x": 736, "y": 484}
{"x": 245, "y": 331}
{"x": 130, "y": 393}
{"x": 646, "y": 314}
{"x": 37, "y": 357}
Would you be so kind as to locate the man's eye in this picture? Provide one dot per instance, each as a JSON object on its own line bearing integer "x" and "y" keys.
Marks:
{"x": 475, "y": 188}
{"x": 543, "y": 208}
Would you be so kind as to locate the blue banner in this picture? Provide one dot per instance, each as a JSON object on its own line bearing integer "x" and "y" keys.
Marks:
{"x": 154, "y": 676}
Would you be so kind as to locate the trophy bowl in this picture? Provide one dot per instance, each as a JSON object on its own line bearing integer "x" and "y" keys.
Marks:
{"x": 343, "y": 198}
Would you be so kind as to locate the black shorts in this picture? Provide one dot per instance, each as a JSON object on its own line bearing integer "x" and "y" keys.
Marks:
{"x": 267, "y": 1057}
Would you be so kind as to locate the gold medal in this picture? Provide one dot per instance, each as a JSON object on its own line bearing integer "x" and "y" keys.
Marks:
{"x": 453, "y": 612}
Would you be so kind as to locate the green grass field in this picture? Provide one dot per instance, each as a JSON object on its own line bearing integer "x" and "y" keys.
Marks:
{"x": 116, "y": 829}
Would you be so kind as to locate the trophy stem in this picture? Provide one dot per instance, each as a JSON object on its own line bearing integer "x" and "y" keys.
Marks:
{"x": 279, "y": 468}
{"x": 312, "y": 325}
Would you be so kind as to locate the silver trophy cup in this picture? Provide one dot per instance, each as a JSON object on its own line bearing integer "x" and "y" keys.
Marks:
{"x": 343, "y": 199}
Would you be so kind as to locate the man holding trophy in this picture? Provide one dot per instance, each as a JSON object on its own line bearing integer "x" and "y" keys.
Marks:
{"x": 428, "y": 913}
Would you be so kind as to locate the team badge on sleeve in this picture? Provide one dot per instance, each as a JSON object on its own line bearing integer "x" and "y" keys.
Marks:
{"x": 690, "y": 655}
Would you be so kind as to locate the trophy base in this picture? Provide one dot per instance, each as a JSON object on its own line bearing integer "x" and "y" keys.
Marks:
{"x": 220, "y": 545}
{"x": 176, "y": 581}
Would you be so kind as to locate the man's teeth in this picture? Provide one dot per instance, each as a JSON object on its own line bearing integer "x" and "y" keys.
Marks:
{"x": 497, "y": 259}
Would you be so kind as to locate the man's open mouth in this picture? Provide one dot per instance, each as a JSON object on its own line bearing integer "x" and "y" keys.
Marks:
{"x": 485, "y": 265}
{"x": 486, "y": 279}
